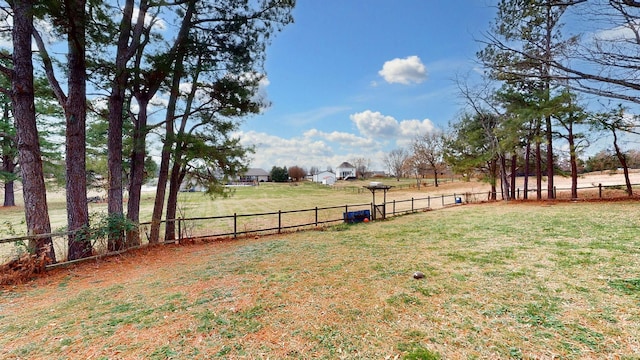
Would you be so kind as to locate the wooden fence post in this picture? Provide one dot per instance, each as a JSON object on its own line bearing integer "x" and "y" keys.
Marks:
{"x": 279, "y": 221}
{"x": 235, "y": 225}
{"x": 600, "y": 190}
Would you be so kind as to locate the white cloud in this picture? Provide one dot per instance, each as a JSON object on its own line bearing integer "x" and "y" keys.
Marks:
{"x": 377, "y": 125}
{"x": 374, "y": 124}
{"x": 345, "y": 140}
{"x": 314, "y": 147}
{"x": 277, "y": 151}
{"x": 150, "y": 20}
{"x": 404, "y": 71}
{"x": 625, "y": 32}
{"x": 409, "y": 129}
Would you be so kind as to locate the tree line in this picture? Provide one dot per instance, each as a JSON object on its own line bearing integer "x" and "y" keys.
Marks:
{"x": 121, "y": 74}
{"x": 542, "y": 86}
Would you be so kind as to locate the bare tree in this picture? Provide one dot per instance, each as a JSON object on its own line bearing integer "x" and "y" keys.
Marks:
{"x": 428, "y": 149}
{"x": 362, "y": 166}
{"x": 414, "y": 165}
{"x": 606, "y": 63}
{"x": 395, "y": 162}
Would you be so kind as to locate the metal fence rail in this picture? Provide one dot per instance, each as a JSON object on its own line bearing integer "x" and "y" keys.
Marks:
{"x": 237, "y": 225}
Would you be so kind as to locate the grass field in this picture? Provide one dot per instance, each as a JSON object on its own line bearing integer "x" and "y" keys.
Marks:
{"x": 244, "y": 200}
{"x": 503, "y": 281}
{"x": 268, "y": 197}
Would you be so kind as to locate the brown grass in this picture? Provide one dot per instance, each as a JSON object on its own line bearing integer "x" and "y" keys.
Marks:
{"x": 528, "y": 280}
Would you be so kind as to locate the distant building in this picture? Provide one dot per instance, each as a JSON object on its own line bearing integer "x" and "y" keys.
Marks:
{"x": 255, "y": 175}
{"x": 325, "y": 178}
{"x": 346, "y": 171}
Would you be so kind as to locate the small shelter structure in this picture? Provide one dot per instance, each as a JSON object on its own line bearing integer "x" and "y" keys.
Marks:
{"x": 378, "y": 210}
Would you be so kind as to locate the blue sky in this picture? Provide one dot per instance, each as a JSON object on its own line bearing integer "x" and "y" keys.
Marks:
{"x": 359, "y": 78}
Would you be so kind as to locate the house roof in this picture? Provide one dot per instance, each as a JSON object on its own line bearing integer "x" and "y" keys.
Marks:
{"x": 256, "y": 172}
{"x": 346, "y": 165}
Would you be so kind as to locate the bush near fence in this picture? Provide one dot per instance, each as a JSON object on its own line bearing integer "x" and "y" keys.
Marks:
{"x": 244, "y": 225}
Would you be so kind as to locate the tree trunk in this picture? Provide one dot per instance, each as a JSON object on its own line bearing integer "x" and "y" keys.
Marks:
{"x": 435, "y": 177}
{"x": 538, "y": 171}
{"x": 527, "y": 169}
{"x": 514, "y": 170}
{"x": 504, "y": 179}
{"x": 161, "y": 190}
{"x": 116, "y": 120}
{"x": 573, "y": 160}
{"x": 75, "y": 113}
{"x": 22, "y": 96}
{"x": 9, "y": 194}
{"x": 137, "y": 170}
{"x": 178, "y": 171}
{"x": 163, "y": 176}
{"x": 550, "y": 161}
{"x": 172, "y": 201}
{"x": 493, "y": 174}
{"x": 623, "y": 162}
{"x": 546, "y": 77}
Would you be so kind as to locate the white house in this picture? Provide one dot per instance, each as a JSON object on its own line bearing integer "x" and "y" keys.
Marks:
{"x": 255, "y": 175}
{"x": 346, "y": 171}
{"x": 325, "y": 178}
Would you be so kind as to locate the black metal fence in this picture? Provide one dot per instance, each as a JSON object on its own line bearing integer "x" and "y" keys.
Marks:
{"x": 239, "y": 225}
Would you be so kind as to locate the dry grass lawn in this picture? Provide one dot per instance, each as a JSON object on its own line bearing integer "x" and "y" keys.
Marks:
{"x": 520, "y": 281}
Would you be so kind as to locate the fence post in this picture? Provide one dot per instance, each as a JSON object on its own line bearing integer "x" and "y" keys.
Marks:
{"x": 394, "y": 207}
{"x": 555, "y": 195}
{"x": 179, "y": 229}
{"x": 442, "y": 199}
{"x": 279, "y": 220}
{"x": 600, "y": 190}
{"x": 411, "y": 204}
{"x": 518, "y": 194}
{"x": 235, "y": 225}
{"x": 316, "y": 216}
{"x": 429, "y": 201}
